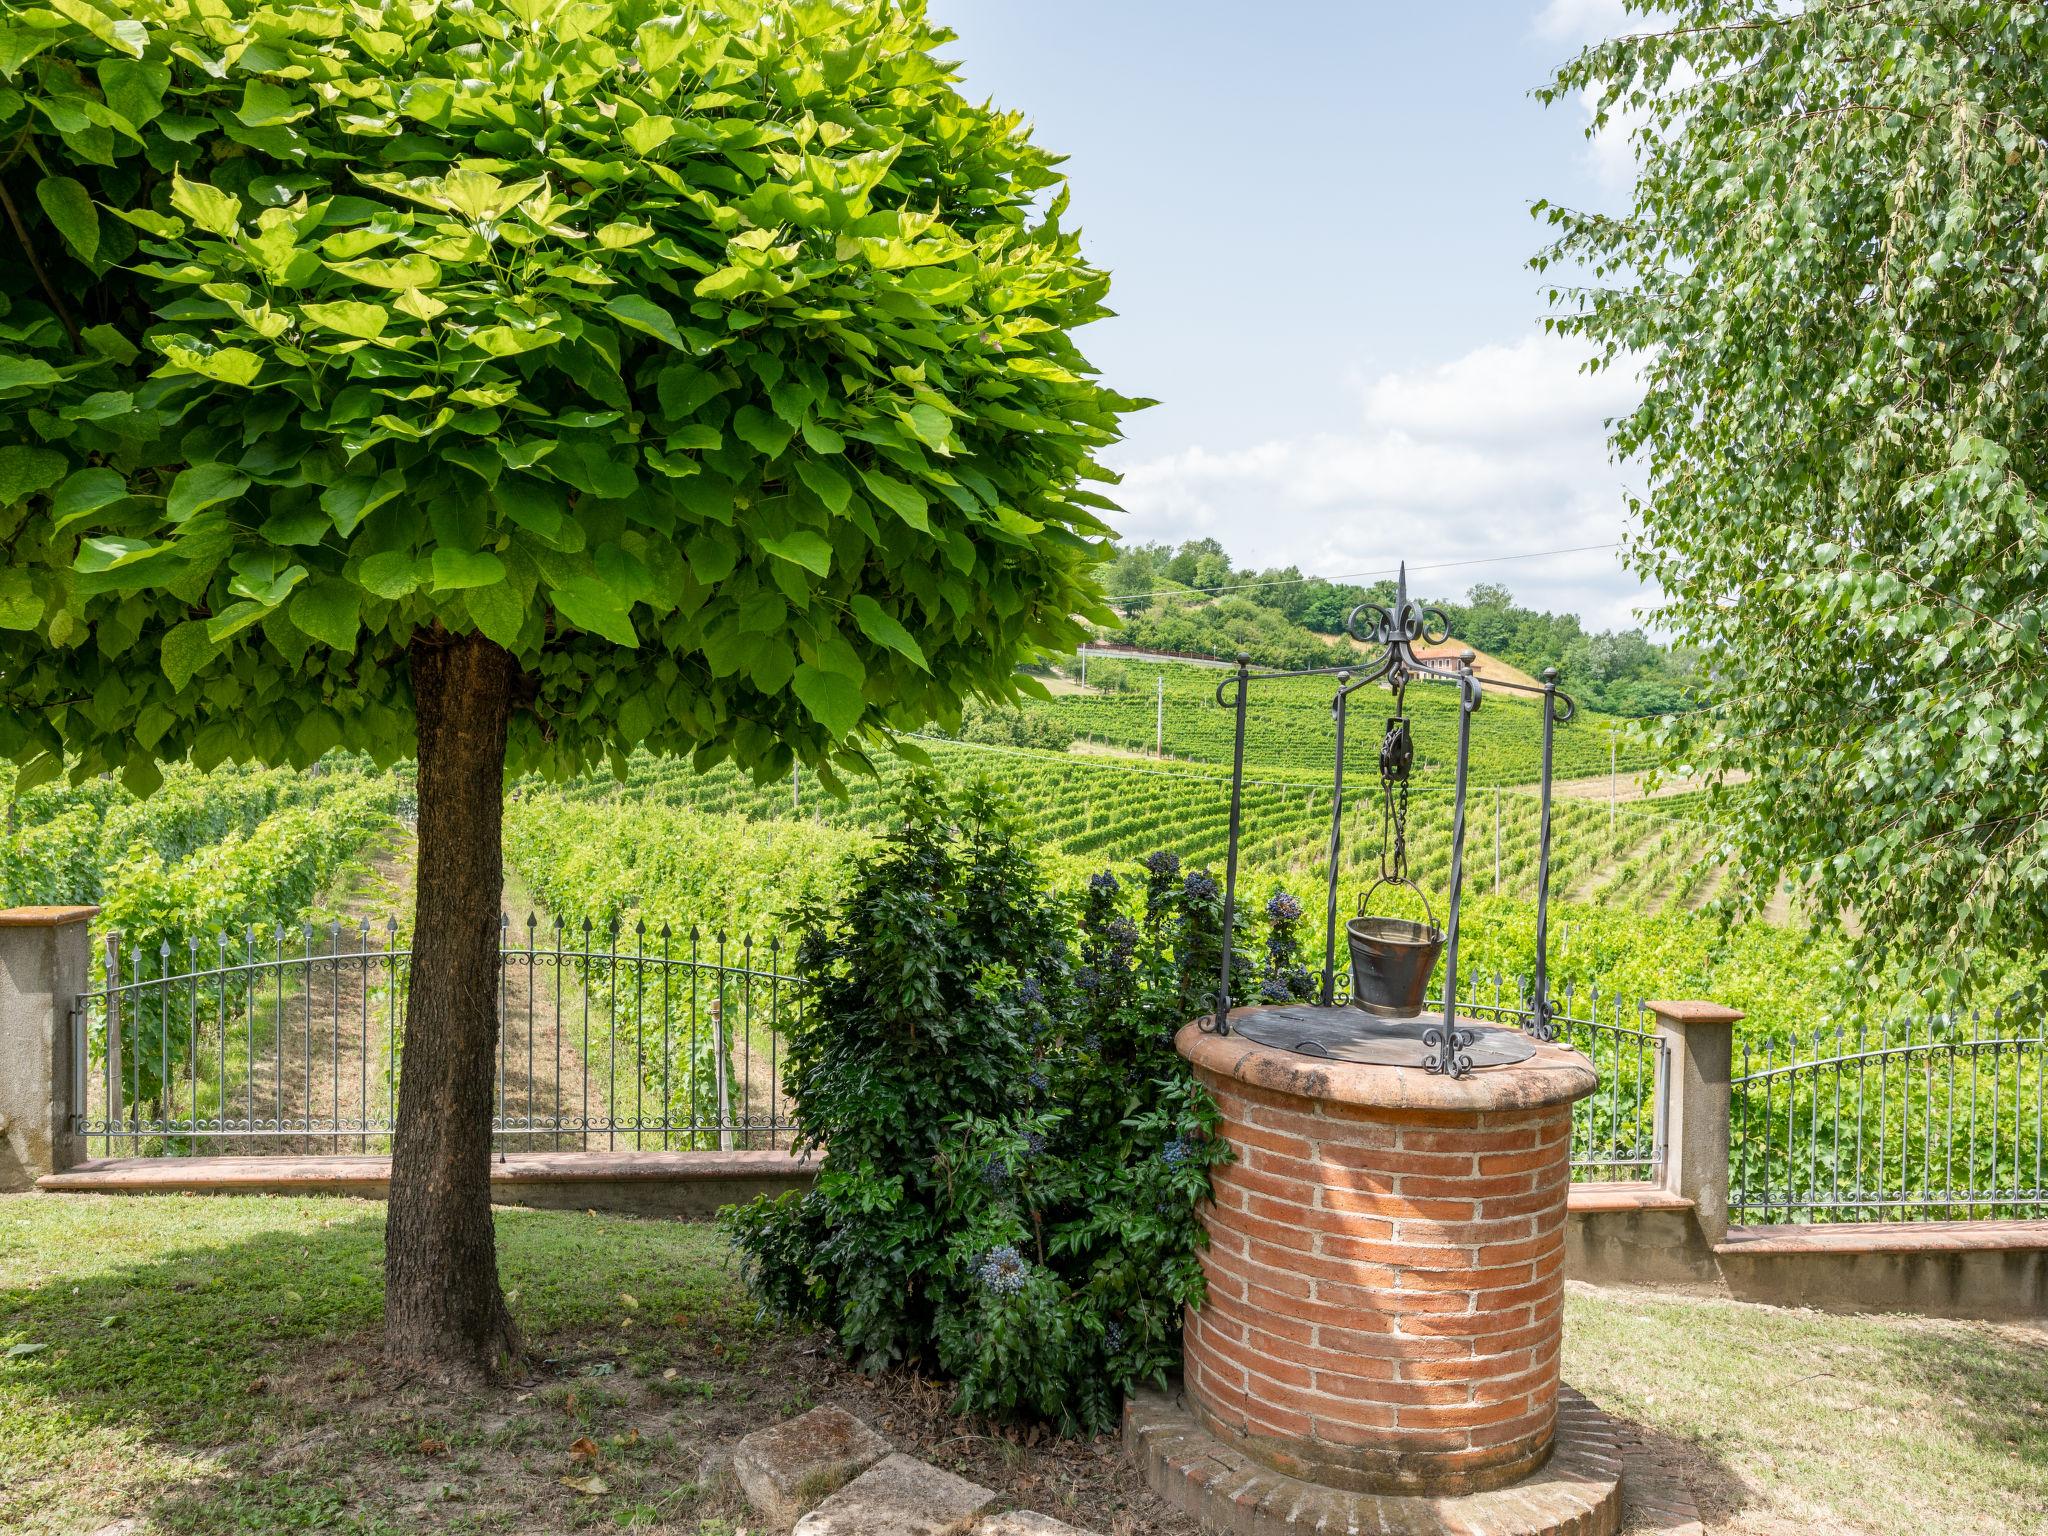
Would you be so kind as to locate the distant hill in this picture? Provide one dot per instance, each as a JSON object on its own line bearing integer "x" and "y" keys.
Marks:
{"x": 1193, "y": 601}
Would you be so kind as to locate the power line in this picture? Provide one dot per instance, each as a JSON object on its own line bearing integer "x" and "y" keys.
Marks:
{"x": 1299, "y": 581}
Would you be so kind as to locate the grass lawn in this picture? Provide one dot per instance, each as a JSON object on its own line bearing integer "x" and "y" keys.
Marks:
{"x": 209, "y": 1365}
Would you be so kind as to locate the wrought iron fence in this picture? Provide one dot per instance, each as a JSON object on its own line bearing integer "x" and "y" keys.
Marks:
{"x": 290, "y": 1042}
{"x": 1618, "y": 1130}
{"x": 1936, "y": 1118}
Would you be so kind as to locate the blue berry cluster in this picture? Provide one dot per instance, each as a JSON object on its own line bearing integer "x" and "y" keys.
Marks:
{"x": 1003, "y": 1271}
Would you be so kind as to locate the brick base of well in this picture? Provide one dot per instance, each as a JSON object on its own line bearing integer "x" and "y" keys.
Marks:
{"x": 1576, "y": 1492}
{"x": 1385, "y": 1266}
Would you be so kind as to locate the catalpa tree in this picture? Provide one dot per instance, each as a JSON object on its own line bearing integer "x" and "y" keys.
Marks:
{"x": 518, "y": 383}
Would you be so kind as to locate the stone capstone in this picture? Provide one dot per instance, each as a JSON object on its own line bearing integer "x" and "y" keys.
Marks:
{"x": 900, "y": 1496}
{"x": 790, "y": 1467}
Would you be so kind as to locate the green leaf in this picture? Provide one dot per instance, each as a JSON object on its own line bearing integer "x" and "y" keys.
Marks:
{"x": 497, "y": 611}
{"x": 649, "y": 134}
{"x": 25, "y": 470}
{"x": 826, "y": 483}
{"x": 328, "y": 610}
{"x": 479, "y": 457}
{"x": 134, "y": 88}
{"x": 207, "y": 206}
{"x": 21, "y": 605}
{"x": 510, "y": 341}
{"x": 766, "y": 434}
{"x": 226, "y": 365}
{"x": 350, "y": 317}
{"x": 833, "y": 699}
{"x": 644, "y": 314}
{"x": 265, "y": 576}
{"x": 535, "y": 505}
{"x": 905, "y": 501}
{"x": 110, "y": 343}
{"x": 103, "y": 405}
{"x": 235, "y": 618}
{"x": 84, "y": 492}
{"x": 883, "y": 628}
{"x": 590, "y": 604}
{"x": 457, "y": 569}
{"x": 351, "y": 500}
{"x": 398, "y": 272}
{"x": 187, "y": 648}
{"x": 659, "y": 43}
{"x": 18, "y": 45}
{"x": 265, "y": 105}
{"x": 106, "y": 552}
{"x": 123, "y": 33}
{"x": 70, "y": 208}
{"x": 201, "y": 486}
{"x": 26, "y": 373}
{"x": 805, "y": 548}
{"x": 930, "y": 425}
{"x": 392, "y": 574}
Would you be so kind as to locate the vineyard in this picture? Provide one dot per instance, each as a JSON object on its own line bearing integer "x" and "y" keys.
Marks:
{"x": 1090, "y": 810}
{"x": 672, "y": 861}
{"x": 1290, "y": 727}
{"x": 642, "y": 1002}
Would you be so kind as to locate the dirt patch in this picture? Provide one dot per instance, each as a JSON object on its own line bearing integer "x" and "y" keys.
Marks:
{"x": 633, "y": 1430}
{"x": 1628, "y": 787}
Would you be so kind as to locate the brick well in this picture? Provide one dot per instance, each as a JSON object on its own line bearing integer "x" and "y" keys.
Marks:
{"x": 1385, "y": 1267}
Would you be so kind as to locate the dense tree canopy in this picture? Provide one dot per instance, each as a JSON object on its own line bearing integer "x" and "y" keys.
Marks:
{"x": 520, "y": 383}
{"x": 710, "y": 356}
{"x": 1834, "y": 275}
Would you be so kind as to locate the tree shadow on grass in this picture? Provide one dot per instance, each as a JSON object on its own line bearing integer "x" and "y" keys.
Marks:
{"x": 238, "y": 1387}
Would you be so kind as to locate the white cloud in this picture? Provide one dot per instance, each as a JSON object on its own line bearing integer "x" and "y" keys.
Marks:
{"x": 1499, "y": 452}
{"x": 1582, "y": 21}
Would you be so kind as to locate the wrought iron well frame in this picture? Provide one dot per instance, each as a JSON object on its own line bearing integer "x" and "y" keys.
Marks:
{"x": 1396, "y": 630}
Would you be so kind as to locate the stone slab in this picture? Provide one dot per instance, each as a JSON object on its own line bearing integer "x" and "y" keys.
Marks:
{"x": 900, "y": 1496}
{"x": 1577, "y": 1492}
{"x": 789, "y": 1468}
{"x": 1026, "y": 1522}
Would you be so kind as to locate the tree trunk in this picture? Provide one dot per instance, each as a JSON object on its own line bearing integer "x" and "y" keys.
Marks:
{"x": 442, "y": 1304}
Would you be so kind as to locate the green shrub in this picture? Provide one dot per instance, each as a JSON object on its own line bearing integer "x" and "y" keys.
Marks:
{"x": 1013, "y": 1153}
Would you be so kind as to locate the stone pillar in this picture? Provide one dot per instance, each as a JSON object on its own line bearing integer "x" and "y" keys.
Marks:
{"x": 1385, "y": 1267}
{"x": 1699, "y": 1045}
{"x": 45, "y": 962}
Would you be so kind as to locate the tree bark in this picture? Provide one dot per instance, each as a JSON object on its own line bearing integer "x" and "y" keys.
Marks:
{"x": 443, "y": 1308}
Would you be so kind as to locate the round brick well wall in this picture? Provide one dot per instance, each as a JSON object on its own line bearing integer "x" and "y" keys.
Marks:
{"x": 1385, "y": 1267}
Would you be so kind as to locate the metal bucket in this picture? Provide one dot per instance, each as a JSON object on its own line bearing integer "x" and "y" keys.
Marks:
{"x": 1392, "y": 958}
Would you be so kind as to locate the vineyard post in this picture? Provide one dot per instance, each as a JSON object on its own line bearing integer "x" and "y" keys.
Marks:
{"x": 1693, "y": 1106}
{"x": 45, "y": 964}
{"x": 1496, "y": 840}
{"x": 1159, "y": 728}
{"x": 1612, "y": 809}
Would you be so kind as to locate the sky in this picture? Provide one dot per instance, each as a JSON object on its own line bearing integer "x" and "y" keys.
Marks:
{"x": 1316, "y": 213}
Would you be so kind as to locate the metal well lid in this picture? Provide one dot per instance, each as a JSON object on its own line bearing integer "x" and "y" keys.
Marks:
{"x": 1352, "y": 1034}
